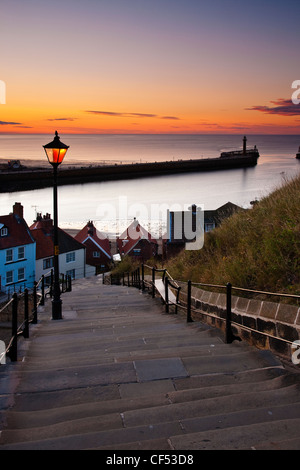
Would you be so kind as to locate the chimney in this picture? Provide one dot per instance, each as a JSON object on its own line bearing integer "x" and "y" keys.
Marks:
{"x": 18, "y": 209}
{"x": 90, "y": 228}
{"x": 47, "y": 222}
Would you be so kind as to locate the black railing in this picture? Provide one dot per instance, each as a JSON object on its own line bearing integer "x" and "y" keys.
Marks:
{"x": 187, "y": 304}
{"x": 33, "y": 297}
{"x": 170, "y": 286}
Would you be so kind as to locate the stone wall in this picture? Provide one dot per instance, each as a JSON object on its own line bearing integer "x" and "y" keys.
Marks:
{"x": 279, "y": 320}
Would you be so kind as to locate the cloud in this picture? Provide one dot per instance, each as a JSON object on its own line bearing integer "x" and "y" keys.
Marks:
{"x": 7, "y": 123}
{"x": 174, "y": 118}
{"x": 281, "y": 107}
{"x": 126, "y": 114}
{"x": 62, "y": 119}
{"x": 114, "y": 114}
{"x": 25, "y": 127}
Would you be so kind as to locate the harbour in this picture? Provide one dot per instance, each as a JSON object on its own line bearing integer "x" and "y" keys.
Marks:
{"x": 23, "y": 179}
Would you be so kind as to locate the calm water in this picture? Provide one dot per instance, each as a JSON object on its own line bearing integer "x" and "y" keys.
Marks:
{"x": 111, "y": 205}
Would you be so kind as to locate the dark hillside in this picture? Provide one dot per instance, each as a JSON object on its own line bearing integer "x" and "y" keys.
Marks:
{"x": 255, "y": 249}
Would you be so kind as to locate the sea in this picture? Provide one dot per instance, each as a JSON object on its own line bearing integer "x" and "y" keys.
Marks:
{"x": 113, "y": 205}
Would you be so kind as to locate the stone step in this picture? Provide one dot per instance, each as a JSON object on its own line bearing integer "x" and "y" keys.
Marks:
{"x": 146, "y": 395}
{"x": 119, "y": 373}
{"x": 277, "y": 444}
{"x": 94, "y": 440}
{"x": 239, "y": 437}
{"x": 205, "y": 384}
{"x": 225, "y": 431}
{"x": 211, "y": 406}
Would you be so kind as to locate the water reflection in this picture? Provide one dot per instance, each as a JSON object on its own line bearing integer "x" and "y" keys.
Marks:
{"x": 104, "y": 201}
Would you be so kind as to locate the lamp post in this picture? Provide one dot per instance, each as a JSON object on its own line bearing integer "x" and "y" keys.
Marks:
{"x": 55, "y": 152}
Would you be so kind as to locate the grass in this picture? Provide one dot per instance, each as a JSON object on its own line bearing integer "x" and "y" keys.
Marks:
{"x": 255, "y": 249}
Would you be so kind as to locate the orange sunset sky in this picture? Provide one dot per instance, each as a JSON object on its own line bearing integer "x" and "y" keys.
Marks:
{"x": 149, "y": 66}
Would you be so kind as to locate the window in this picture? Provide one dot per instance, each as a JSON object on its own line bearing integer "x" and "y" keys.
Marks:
{"x": 4, "y": 232}
{"x": 21, "y": 274}
{"x": 137, "y": 251}
{"x": 48, "y": 263}
{"x": 71, "y": 273}
{"x": 209, "y": 227}
{"x": 21, "y": 252}
{"x": 96, "y": 254}
{"x": 9, "y": 255}
{"x": 70, "y": 258}
{"x": 9, "y": 277}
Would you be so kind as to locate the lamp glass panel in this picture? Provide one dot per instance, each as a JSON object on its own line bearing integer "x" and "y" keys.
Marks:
{"x": 55, "y": 156}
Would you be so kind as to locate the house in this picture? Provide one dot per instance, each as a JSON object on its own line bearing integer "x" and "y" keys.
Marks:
{"x": 214, "y": 218}
{"x": 71, "y": 252}
{"x": 98, "y": 251}
{"x": 181, "y": 223}
{"x": 17, "y": 252}
{"x": 135, "y": 241}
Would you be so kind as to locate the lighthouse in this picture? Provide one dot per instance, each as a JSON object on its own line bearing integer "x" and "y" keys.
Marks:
{"x": 244, "y": 145}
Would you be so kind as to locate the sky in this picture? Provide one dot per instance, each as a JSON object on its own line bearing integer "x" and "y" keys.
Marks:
{"x": 149, "y": 66}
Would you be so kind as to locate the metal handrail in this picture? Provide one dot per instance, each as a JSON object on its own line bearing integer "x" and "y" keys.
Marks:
{"x": 228, "y": 287}
{"x": 23, "y": 328}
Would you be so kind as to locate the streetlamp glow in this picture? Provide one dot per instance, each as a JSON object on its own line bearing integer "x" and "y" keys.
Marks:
{"x": 55, "y": 152}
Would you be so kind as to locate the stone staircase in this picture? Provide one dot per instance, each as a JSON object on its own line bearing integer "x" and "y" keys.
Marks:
{"x": 117, "y": 373}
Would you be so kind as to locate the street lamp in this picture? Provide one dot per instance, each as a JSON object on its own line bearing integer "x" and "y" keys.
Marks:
{"x": 55, "y": 152}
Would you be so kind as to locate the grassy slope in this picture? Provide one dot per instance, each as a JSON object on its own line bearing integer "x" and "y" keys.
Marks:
{"x": 255, "y": 249}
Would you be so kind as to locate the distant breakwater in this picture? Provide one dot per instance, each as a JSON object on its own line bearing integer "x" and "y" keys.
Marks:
{"x": 28, "y": 179}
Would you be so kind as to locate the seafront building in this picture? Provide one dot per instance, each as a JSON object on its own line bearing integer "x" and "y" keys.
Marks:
{"x": 71, "y": 252}
{"x": 181, "y": 223}
{"x": 137, "y": 242}
{"x": 17, "y": 252}
{"x": 97, "y": 245}
{"x": 26, "y": 253}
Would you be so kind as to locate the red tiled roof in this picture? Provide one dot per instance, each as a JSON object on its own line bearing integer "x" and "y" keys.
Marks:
{"x": 90, "y": 232}
{"x": 44, "y": 243}
{"x": 131, "y": 236}
{"x": 18, "y": 232}
{"x": 42, "y": 231}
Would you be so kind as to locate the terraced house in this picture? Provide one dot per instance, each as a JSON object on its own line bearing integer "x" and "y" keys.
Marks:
{"x": 71, "y": 252}
{"x": 17, "y": 252}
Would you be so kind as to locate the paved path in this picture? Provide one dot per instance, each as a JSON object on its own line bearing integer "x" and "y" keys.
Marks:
{"x": 119, "y": 373}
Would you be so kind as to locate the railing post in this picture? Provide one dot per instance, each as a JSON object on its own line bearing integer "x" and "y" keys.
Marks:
{"x": 51, "y": 283}
{"x": 153, "y": 283}
{"x": 34, "y": 310}
{"x": 143, "y": 277}
{"x": 228, "y": 332}
{"x": 42, "y": 302}
{"x": 189, "y": 302}
{"x": 26, "y": 316}
{"x": 123, "y": 277}
{"x": 138, "y": 278}
{"x": 69, "y": 283}
{"x": 167, "y": 293}
{"x": 128, "y": 281}
{"x": 229, "y": 336}
{"x": 13, "y": 353}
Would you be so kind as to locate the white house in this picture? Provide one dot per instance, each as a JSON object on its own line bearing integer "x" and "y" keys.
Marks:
{"x": 71, "y": 252}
